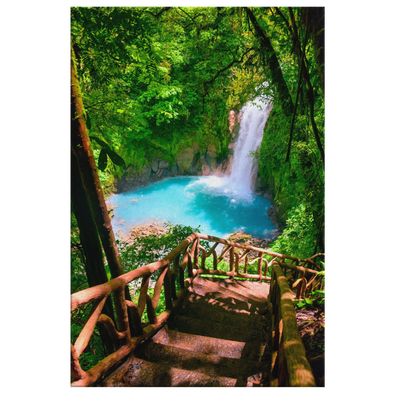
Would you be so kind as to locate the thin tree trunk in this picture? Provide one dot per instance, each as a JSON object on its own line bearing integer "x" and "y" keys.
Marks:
{"x": 309, "y": 93}
{"x": 87, "y": 167}
{"x": 94, "y": 264}
{"x": 273, "y": 63}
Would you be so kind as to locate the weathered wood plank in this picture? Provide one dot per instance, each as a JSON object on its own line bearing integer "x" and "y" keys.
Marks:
{"x": 87, "y": 331}
{"x": 143, "y": 294}
{"x": 109, "y": 325}
{"x": 295, "y": 372}
{"x": 232, "y": 274}
{"x": 135, "y": 318}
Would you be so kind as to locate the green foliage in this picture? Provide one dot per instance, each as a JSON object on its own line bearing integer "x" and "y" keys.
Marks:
{"x": 155, "y": 80}
{"x": 304, "y": 303}
{"x": 146, "y": 250}
{"x": 316, "y": 297}
{"x": 151, "y": 248}
{"x": 299, "y": 237}
{"x": 150, "y": 79}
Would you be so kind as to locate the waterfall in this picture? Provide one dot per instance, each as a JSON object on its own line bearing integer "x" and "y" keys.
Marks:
{"x": 249, "y": 139}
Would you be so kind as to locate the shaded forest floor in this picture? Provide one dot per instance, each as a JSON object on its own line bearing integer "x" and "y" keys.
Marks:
{"x": 311, "y": 324}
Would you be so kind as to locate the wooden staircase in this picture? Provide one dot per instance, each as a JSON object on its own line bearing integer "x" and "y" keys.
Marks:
{"x": 213, "y": 332}
{"x": 220, "y": 337}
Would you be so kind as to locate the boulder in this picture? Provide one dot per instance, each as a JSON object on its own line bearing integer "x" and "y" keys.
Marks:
{"x": 196, "y": 166}
{"x": 145, "y": 174}
{"x": 163, "y": 164}
{"x": 185, "y": 160}
{"x": 166, "y": 172}
{"x": 155, "y": 166}
{"x": 205, "y": 167}
{"x": 210, "y": 156}
{"x": 174, "y": 170}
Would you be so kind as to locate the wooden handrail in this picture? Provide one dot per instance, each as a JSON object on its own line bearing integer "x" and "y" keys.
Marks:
{"x": 191, "y": 249}
{"x": 289, "y": 364}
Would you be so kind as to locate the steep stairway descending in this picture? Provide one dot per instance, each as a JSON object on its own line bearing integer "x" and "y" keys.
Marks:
{"x": 220, "y": 337}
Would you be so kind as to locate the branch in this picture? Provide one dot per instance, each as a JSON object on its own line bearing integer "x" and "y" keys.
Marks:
{"x": 295, "y": 105}
{"x": 80, "y": 249}
{"x": 189, "y": 15}
{"x": 309, "y": 92}
{"x": 227, "y": 67}
{"x": 257, "y": 28}
{"x": 159, "y": 13}
{"x": 279, "y": 12}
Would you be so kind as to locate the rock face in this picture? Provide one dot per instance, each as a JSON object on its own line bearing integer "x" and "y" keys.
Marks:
{"x": 265, "y": 189}
{"x": 246, "y": 239}
{"x": 185, "y": 160}
{"x": 151, "y": 173}
{"x": 191, "y": 160}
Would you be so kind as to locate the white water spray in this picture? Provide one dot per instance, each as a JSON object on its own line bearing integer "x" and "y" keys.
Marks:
{"x": 249, "y": 139}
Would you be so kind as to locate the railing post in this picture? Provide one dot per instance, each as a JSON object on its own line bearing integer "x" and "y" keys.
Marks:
{"x": 189, "y": 266}
{"x": 181, "y": 277}
{"x": 135, "y": 318}
{"x": 143, "y": 294}
{"x": 174, "y": 274}
{"x": 196, "y": 246}
{"x": 150, "y": 310}
{"x": 121, "y": 310}
{"x": 167, "y": 289}
{"x": 265, "y": 267}
{"x": 236, "y": 262}
{"x": 215, "y": 260}
{"x": 76, "y": 371}
{"x": 232, "y": 260}
{"x": 259, "y": 263}
{"x": 203, "y": 257}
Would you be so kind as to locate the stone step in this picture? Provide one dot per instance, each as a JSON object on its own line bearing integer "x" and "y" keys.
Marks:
{"x": 256, "y": 291}
{"x": 142, "y": 373}
{"x": 204, "y": 308}
{"x": 225, "y": 303}
{"x": 211, "y": 364}
{"x": 216, "y": 330}
{"x": 197, "y": 343}
{"x": 234, "y": 300}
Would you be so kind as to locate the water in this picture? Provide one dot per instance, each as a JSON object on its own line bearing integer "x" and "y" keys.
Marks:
{"x": 255, "y": 115}
{"x": 219, "y": 205}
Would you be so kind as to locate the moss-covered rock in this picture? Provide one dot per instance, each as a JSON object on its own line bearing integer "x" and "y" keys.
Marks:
{"x": 185, "y": 160}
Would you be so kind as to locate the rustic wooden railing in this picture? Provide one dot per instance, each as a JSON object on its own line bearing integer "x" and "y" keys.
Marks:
{"x": 289, "y": 367}
{"x": 188, "y": 255}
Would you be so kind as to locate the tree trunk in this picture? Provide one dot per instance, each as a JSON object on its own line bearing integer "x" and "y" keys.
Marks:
{"x": 94, "y": 264}
{"x": 84, "y": 161}
{"x": 309, "y": 93}
{"x": 273, "y": 63}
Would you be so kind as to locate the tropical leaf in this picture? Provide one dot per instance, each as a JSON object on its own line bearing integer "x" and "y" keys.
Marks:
{"x": 100, "y": 142}
{"x": 116, "y": 159}
{"x": 88, "y": 121}
{"x": 143, "y": 121}
{"x": 103, "y": 160}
